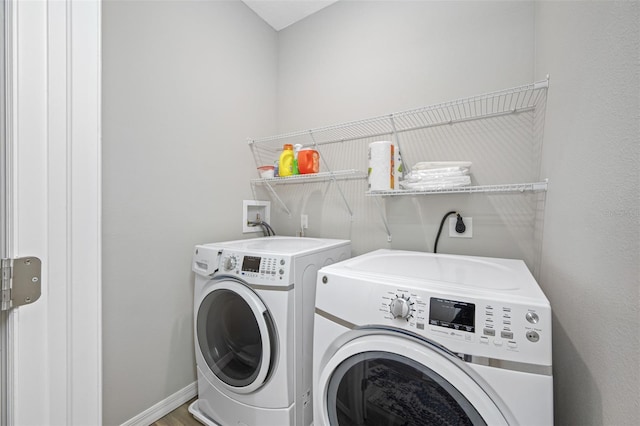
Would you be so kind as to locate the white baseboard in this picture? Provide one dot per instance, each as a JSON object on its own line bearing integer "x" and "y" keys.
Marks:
{"x": 164, "y": 407}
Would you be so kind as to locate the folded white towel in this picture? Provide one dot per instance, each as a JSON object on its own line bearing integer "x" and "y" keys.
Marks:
{"x": 436, "y": 184}
{"x": 436, "y": 175}
{"x": 428, "y": 174}
{"x": 425, "y": 165}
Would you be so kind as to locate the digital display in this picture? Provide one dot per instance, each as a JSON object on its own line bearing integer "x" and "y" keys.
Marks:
{"x": 452, "y": 314}
{"x": 251, "y": 264}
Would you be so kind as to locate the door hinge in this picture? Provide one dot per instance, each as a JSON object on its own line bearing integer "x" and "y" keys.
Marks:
{"x": 20, "y": 281}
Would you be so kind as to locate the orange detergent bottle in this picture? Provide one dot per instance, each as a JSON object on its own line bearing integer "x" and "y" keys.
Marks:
{"x": 308, "y": 161}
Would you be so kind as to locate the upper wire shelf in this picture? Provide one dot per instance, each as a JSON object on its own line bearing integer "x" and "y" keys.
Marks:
{"x": 504, "y": 188}
{"x": 520, "y": 99}
{"x": 507, "y": 101}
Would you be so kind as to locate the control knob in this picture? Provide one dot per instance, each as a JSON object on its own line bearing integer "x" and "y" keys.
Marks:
{"x": 532, "y": 317}
{"x": 229, "y": 263}
{"x": 400, "y": 308}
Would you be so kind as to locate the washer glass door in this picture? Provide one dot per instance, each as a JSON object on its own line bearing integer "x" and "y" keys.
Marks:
{"x": 236, "y": 336}
{"x": 386, "y": 379}
{"x": 380, "y": 388}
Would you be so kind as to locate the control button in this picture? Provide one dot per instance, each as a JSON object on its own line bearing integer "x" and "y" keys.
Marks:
{"x": 282, "y": 261}
{"x": 532, "y": 317}
{"x": 533, "y": 336}
{"x": 506, "y": 334}
{"x": 512, "y": 344}
{"x": 484, "y": 339}
{"x": 281, "y": 271}
{"x": 489, "y": 332}
{"x": 497, "y": 342}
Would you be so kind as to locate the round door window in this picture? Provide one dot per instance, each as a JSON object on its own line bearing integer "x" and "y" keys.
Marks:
{"x": 381, "y": 388}
{"x": 230, "y": 337}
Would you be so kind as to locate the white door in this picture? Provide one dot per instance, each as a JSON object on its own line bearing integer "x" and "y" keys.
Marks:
{"x": 3, "y": 246}
{"x": 52, "y": 170}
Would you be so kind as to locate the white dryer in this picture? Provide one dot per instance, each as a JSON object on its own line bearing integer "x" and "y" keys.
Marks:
{"x": 411, "y": 338}
{"x": 253, "y": 318}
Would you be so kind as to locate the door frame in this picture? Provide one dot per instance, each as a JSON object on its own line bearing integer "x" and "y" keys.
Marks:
{"x": 4, "y": 359}
{"x": 54, "y": 207}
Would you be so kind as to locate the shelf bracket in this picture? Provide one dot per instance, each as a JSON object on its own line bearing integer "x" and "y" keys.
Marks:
{"x": 253, "y": 190}
{"x": 275, "y": 194}
{"x": 384, "y": 219}
{"x": 540, "y": 186}
{"x": 333, "y": 178}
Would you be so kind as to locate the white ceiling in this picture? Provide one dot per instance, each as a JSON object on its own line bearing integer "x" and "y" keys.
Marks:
{"x": 282, "y": 13}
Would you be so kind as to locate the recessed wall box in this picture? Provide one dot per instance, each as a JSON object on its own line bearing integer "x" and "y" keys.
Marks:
{"x": 254, "y": 211}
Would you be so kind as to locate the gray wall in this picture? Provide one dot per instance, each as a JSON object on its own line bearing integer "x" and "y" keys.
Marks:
{"x": 359, "y": 59}
{"x": 590, "y": 265}
{"x": 184, "y": 84}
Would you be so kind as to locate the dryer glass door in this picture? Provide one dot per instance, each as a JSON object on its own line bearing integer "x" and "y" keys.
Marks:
{"x": 236, "y": 336}
{"x": 383, "y": 388}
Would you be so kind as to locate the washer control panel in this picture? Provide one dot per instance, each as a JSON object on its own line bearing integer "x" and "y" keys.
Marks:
{"x": 496, "y": 327}
{"x": 268, "y": 269}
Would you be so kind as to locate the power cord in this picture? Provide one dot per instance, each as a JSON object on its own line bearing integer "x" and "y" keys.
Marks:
{"x": 460, "y": 227}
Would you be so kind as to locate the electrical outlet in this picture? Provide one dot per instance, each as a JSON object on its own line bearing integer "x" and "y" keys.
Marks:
{"x": 468, "y": 233}
{"x": 304, "y": 221}
{"x": 253, "y": 211}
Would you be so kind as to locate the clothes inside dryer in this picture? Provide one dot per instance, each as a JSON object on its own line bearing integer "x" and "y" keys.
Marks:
{"x": 380, "y": 388}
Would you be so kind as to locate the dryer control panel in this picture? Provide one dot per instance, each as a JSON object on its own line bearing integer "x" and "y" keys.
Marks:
{"x": 511, "y": 326}
{"x": 492, "y": 328}
{"x": 253, "y": 267}
{"x": 257, "y": 268}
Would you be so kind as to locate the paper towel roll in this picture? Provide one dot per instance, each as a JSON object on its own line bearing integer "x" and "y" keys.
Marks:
{"x": 381, "y": 166}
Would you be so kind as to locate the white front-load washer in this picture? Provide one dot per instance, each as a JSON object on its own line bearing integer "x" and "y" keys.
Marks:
{"x": 253, "y": 318}
{"x": 411, "y": 338}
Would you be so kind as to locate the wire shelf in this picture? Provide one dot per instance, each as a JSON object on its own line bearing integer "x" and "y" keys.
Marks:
{"x": 417, "y": 136}
{"x": 506, "y": 188}
{"x": 315, "y": 177}
{"x": 507, "y": 101}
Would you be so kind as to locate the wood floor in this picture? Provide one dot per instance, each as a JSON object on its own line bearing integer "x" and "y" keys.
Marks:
{"x": 178, "y": 417}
